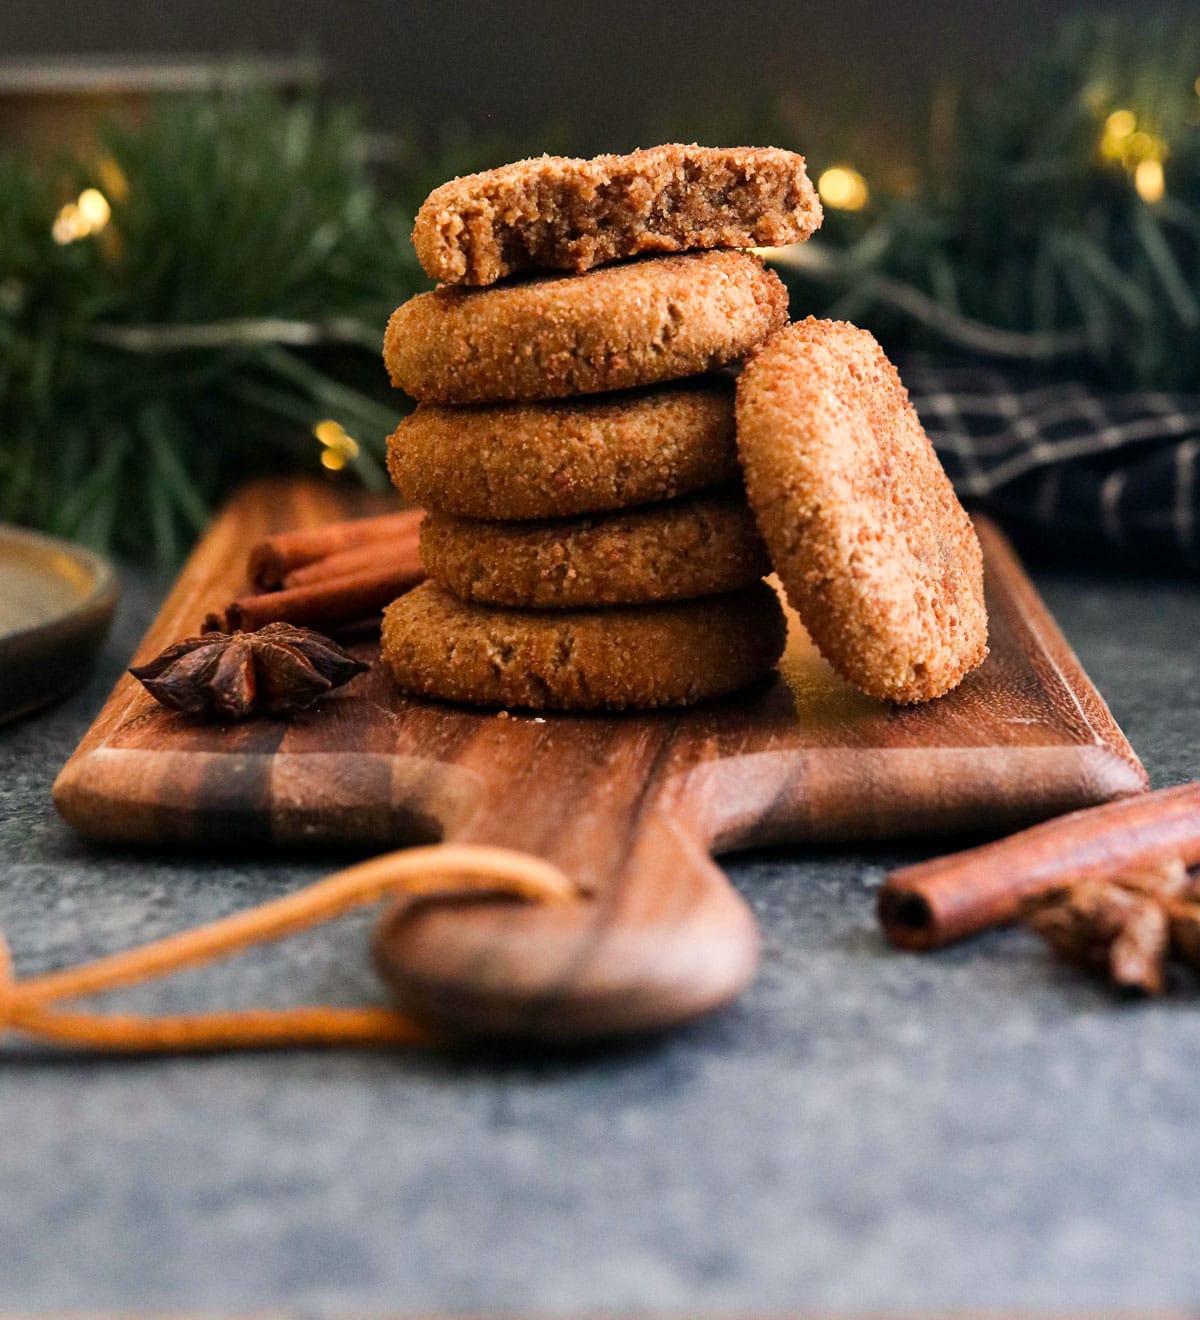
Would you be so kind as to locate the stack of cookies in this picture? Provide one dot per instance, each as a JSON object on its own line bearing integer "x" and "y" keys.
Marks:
{"x": 589, "y": 544}
{"x": 588, "y": 541}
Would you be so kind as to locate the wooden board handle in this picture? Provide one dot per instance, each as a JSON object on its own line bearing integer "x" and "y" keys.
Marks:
{"x": 664, "y": 939}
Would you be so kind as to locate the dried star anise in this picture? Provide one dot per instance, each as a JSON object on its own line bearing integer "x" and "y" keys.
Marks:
{"x": 1125, "y": 927}
{"x": 277, "y": 670}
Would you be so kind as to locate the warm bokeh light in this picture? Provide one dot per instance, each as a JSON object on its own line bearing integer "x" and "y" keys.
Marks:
{"x": 329, "y": 432}
{"x": 1118, "y": 128}
{"x": 1144, "y": 146}
{"x": 1120, "y": 123}
{"x": 87, "y": 214}
{"x": 338, "y": 449}
{"x": 94, "y": 208}
{"x": 843, "y": 188}
{"x": 1148, "y": 180}
{"x": 1138, "y": 150}
{"x": 68, "y": 225}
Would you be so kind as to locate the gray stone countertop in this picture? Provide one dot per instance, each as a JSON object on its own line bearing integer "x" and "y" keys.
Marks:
{"x": 864, "y": 1130}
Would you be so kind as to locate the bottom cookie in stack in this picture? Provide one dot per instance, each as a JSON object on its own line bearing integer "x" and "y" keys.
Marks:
{"x": 616, "y": 658}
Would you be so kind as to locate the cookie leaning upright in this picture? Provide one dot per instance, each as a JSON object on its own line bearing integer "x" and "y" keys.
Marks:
{"x": 561, "y": 213}
{"x": 862, "y": 524}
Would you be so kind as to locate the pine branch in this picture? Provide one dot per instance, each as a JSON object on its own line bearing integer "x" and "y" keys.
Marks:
{"x": 1035, "y": 235}
{"x": 241, "y": 283}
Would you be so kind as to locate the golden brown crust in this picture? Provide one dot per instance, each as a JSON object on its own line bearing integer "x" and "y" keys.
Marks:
{"x": 699, "y": 546}
{"x": 862, "y": 524}
{"x": 559, "y": 213}
{"x": 629, "y": 657}
{"x": 554, "y": 460}
{"x": 612, "y": 329}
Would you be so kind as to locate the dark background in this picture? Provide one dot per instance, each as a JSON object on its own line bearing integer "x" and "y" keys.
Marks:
{"x": 586, "y": 76}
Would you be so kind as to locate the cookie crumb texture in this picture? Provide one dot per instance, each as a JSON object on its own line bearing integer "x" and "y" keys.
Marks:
{"x": 623, "y": 658}
{"x": 616, "y": 328}
{"x": 558, "y": 213}
{"x": 554, "y": 460}
{"x": 864, "y": 529}
{"x": 687, "y": 548}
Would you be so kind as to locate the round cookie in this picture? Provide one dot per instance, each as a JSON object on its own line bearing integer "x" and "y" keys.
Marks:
{"x": 629, "y": 657}
{"x": 686, "y": 548}
{"x": 613, "y": 328}
{"x": 863, "y": 527}
{"x": 559, "y": 213}
{"x": 553, "y": 460}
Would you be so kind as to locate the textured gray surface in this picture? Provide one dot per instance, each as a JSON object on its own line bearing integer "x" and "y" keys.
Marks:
{"x": 864, "y": 1130}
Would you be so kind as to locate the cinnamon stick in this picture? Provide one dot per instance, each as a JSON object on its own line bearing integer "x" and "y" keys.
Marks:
{"x": 933, "y": 903}
{"x": 401, "y": 554}
{"x": 273, "y": 559}
{"x": 327, "y": 603}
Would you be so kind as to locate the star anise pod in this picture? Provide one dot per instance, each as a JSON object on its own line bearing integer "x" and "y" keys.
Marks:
{"x": 277, "y": 670}
{"x": 1124, "y": 927}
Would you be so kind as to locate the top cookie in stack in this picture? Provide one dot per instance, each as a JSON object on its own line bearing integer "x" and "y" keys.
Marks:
{"x": 554, "y": 213}
{"x": 588, "y": 541}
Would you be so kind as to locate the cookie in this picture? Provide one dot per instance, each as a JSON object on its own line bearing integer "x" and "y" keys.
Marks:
{"x": 863, "y": 527}
{"x": 627, "y": 657}
{"x": 612, "y": 329}
{"x": 556, "y": 213}
{"x": 699, "y": 546}
{"x": 553, "y": 460}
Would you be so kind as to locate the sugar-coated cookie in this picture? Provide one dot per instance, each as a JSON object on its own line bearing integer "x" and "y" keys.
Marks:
{"x": 627, "y": 657}
{"x": 611, "y": 329}
{"x": 863, "y": 527}
{"x": 553, "y": 460}
{"x": 558, "y": 213}
{"x": 699, "y": 546}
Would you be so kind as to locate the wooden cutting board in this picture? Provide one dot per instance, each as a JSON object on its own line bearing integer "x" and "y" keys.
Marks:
{"x": 631, "y": 806}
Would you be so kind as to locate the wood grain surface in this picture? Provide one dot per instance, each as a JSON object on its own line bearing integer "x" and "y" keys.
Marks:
{"x": 630, "y": 806}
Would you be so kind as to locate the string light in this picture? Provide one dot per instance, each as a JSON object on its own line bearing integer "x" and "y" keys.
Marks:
{"x": 843, "y": 188}
{"x": 338, "y": 449}
{"x": 68, "y": 225}
{"x": 94, "y": 209}
{"x": 87, "y": 214}
{"x": 1148, "y": 180}
{"x": 1144, "y": 146}
{"x": 1118, "y": 128}
{"x": 1138, "y": 150}
{"x": 1120, "y": 123}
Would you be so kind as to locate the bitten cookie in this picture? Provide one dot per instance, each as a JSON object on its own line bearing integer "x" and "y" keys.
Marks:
{"x": 876, "y": 553}
{"x": 695, "y": 547}
{"x": 556, "y": 213}
{"x": 552, "y": 460}
{"x": 611, "y": 329}
{"x": 629, "y": 657}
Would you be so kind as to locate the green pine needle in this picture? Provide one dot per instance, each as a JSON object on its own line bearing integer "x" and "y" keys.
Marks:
{"x": 225, "y": 209}
{"x": 1028, "y": 236}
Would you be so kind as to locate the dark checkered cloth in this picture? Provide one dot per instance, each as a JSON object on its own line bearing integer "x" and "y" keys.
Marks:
{"x": 1075, "y": 473}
